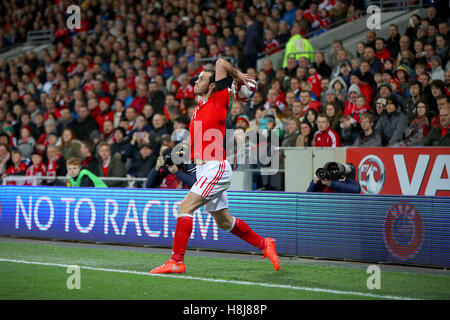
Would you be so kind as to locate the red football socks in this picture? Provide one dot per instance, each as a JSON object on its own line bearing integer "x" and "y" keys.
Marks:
{"x": 243, "y": 231}
{"x": 183, "y": 231}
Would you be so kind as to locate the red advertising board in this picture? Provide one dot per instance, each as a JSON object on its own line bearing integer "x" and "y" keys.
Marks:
{"x": 402, "y": 171}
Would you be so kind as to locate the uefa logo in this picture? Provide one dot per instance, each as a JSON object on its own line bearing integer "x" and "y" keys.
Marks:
{"x": 403, "y": 231}
{"x": 371, "y": 174}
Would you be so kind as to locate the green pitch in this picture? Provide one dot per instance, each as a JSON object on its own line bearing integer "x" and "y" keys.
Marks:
{"x": 39, "y": 271}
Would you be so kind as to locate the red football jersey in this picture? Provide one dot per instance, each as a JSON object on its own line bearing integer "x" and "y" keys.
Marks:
{"x": 328, "y": 138}
{"x": 207, "y": 127}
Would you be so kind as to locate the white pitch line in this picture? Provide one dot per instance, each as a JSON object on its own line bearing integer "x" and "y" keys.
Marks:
{"x": 246, "y": 283}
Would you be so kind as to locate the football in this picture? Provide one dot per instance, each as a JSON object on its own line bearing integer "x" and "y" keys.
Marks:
{"x": 244, "y": 92}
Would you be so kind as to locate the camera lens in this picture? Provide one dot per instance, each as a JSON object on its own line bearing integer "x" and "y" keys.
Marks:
{"x": 321, "y": 174}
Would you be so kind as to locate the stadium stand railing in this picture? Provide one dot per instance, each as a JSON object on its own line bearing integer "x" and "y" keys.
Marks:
{"x": 396, "y": 5}
{"x": 39, "y": 37}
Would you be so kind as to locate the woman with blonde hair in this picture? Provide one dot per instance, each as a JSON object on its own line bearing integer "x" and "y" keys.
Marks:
{"x": 292, "y": 132}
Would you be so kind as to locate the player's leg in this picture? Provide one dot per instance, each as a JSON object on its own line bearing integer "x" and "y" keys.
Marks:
{"x": 241, "y": 229}
{"x": 183, "y": 231}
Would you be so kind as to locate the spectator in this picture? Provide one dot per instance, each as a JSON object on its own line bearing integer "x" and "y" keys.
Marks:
{"x": 382, "y": 53}
{"x": 307, "y": 102}
{"x": 36, "y": 169}
{"x": 313, "y": 15}
{"x": 374, "y": 62}
{"x": 324, "y": 136}
{"x": 17, "y": 168}
{"x": 56, "y": 164}
{"x": 306, "y": 137}
{"x": 105, "y": 113}
{"x": 256, "y": 103}
{"x": 26, "y": 143}
{"x": 337, "y": 47}
{"x": 439, "y": 135}
{"x": 338, "y": 12}
{"x": 80, "y": 177}
{"x": 348, "y": 130}
{"x": 159, "y": 129}
{"x": 322, "y": 67}
{"x": 89, "y": 160}
{"x": 419, "y": 127}
{"x": 393, "y": 123}
{"x": 156, "y": 97}
{"x": 66, "y": 120}
{"x": 289, "y": 15}
{"x": 393, "y": 41}
{"x": 243, "y": 122}
{"x": 442, "y": 48}
{"x": 334, "y": 114}
{"x": 311, "y": 117}
{"x": 110, "y": 166}
{"x": 5, "y": 158}
{"x": 186, "y": 90}
{"x": 437, "y": 73}
{"x": 274, "y": 99}
{"x": 315, "y": 80}
{"x": 142, "y": 163}
{"x": 255, "y": 123}
{"x": 121, "y": 145}
{"x": 42, "y": 143}
{"x": 415, "y": 90}
{"x": 291, "y": 67}
{"x": 25, "y": 120}
{"x": 270, "y": 42}
{"x": 70, "y": 146}
{"x": 253, "y": 41}
{"x": 425, "y": 79}
{"x": 292, "y": 132}
{"x": 85, "y": 124}
{"x": 367, "y": 137}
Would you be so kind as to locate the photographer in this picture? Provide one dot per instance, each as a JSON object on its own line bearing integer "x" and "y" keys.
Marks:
{"x": 168, "y": 175}
{"x": 335, "y": 177}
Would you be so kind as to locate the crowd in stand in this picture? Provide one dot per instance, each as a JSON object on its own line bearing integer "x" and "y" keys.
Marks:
{"x": 113, "y": 91}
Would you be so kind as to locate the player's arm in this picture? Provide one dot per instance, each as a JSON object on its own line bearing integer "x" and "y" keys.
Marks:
{"x": 223, "y": 68}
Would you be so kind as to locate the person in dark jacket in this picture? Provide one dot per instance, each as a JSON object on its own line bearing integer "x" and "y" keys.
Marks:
{"x": 111, "y": 166}
{"x": 393, "y": 123}
{"x": 170, "y": 176}
{"x": 141, "y": 165}
{"x": 439, "y": 136}
{"x": 85, "y": 124}
{"x": 368, "y": 137}
{"x": 90, "y": 161}
{"x": 348, "y": 130}
{"x": 253, "y": 42}
{"x": 348, "y": 185}
{"x": 122, "y": 145}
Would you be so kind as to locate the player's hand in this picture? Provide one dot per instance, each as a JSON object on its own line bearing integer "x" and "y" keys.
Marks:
{"x": 159, "y": 163}
{"x": 243, "y": 77}
{"x": 173, "y": 169}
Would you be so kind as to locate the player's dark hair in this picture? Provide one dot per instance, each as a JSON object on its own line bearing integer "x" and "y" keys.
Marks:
{"x": 212, "y": 77}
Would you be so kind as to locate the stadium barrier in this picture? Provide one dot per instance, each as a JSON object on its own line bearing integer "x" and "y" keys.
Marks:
{"x": 370, "y": 228}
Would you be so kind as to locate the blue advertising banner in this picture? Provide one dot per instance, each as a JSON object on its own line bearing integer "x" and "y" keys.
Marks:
{"x": 399, "y": 229}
